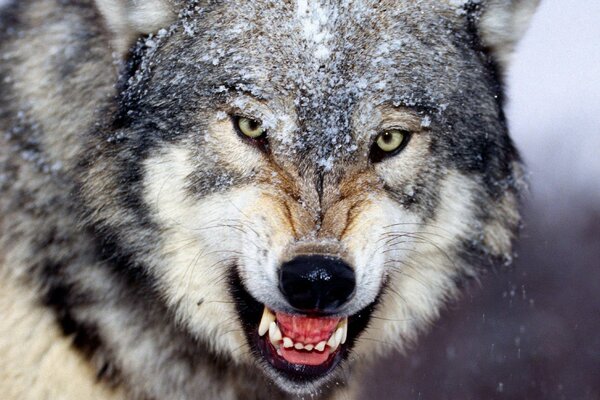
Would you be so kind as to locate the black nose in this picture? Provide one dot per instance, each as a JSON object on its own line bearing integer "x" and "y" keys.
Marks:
{"x": 316, "y": 283}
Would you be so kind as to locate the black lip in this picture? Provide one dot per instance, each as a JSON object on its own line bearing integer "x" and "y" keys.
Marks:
{"x": 250, "y": 312}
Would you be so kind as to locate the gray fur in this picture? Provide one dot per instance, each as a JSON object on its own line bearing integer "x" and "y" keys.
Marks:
{"x": 83, "y": 127}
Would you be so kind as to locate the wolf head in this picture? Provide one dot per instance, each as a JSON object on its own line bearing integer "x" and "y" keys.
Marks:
{"x": 306, "y": 183}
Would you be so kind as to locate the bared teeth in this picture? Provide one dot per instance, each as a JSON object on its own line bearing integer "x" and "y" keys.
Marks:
{"x": 265, "y": 321}
{"x": 268, "y": 324}
{"x": 288, "y": 343}
{"x": 333, "y": 343}
{"x": 321, "y": 346}
{"x": 344, "y": 326}
{"x": 339, "y": 336}
{"x": 274, "y": 334}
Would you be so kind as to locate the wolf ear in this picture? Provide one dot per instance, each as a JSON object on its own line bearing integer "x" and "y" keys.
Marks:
{"x": 502, "y": 23}
{"x": 127, "y": 19}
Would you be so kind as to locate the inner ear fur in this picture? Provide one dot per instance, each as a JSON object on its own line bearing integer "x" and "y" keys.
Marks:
{"x": 128, "y": 19}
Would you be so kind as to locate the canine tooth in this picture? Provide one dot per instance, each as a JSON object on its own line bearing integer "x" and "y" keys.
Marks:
{"x": 287, "y": 342}
{"x": 309, "y": 347}
{"x": 332, "y": 342}
{"x": 278, "y": 335}
{"x": 339, "y": 333}
{"x": 265, "y": 321}
{"x": 298, "y": 346}
{"x": 320, "y": 346}
{"x": 274, "y": 333}
{"x": 344, "y": 326}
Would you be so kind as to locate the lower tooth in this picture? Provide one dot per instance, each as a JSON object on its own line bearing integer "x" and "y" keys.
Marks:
{"x": 309, "y": 347}
{"x": 320, "y": 346}
{"x": 287, "y": 342}
{"x": 298, "y": 346}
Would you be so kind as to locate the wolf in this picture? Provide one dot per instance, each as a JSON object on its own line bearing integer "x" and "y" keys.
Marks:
{"x": 244, "y": 199}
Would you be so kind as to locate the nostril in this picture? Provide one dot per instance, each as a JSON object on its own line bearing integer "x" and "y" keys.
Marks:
{"x": 316, "y": 283}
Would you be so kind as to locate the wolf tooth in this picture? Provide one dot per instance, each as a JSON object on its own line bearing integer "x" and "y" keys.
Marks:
{"x": 199, "y": 199}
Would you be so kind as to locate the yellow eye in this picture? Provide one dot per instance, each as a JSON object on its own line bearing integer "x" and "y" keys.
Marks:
{"x": 391, "y": 140}
{"x": 251, "y": 128}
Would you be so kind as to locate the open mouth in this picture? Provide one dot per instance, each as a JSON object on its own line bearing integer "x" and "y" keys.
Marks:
{"x": 298, "y": 345}
{"x": 300, "y": 348}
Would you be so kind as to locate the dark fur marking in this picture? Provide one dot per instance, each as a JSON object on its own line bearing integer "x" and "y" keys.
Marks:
{"x": 289, "y": 217}
{"x": 61, "y": 298}
{"x": 424, "y": 198}
{"x": 125, "y": 95}
{"x": 496, "y": 156}
{"x": 473, "y": 10}
{"x": 10, "y": 18}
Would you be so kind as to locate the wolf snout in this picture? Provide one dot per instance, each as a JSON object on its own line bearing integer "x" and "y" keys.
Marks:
{"x": 317, "y": 283}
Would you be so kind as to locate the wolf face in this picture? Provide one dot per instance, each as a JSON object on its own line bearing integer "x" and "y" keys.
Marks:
{"x": 303, "y": 184}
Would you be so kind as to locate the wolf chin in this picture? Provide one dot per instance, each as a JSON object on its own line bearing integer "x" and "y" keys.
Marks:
{"x": 227, "y": 200}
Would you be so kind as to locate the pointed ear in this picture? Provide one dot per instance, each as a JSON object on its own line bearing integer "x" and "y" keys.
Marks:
{"x": 127, "y": 19}
{"x": 502, "y": 23}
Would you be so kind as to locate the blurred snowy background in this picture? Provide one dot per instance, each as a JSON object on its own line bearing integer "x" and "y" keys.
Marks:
{"x": 532, "y": 332}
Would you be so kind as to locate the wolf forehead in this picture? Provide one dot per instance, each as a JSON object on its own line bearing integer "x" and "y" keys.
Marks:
{"x": 328, "y": 66}
{"x": 330, "y": 55}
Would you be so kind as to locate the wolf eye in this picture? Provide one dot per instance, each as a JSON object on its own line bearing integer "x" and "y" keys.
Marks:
{"x": 249, "y": 127}
{"x": 389, "y": 143}
{"x": 390, "y": 140}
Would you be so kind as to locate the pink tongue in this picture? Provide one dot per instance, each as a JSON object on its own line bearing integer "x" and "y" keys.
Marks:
{"x": 294, "y": 356}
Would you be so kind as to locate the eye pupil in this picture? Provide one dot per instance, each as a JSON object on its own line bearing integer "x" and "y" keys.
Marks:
{"x": 387, "y": 137}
